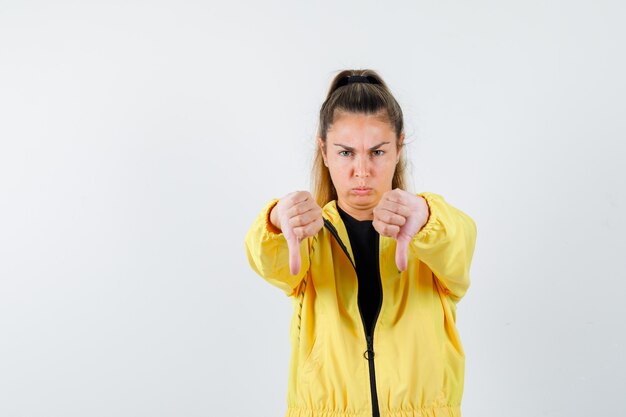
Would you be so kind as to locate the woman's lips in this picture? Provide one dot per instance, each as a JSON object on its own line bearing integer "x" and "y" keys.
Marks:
{"x": 361, "y": 191}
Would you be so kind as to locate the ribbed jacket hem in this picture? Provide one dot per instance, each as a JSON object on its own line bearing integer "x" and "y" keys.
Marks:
{"x": 449, "y": 411}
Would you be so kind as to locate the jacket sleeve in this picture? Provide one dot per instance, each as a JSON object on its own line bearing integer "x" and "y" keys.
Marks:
{"x": 268, "y": 253}
{"x": 446, "y": 244}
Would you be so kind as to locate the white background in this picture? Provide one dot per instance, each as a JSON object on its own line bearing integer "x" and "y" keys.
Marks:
{"x": 138, "y": 141}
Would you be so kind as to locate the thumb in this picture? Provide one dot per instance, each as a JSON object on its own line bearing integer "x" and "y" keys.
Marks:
{"x": 294, "y": 250}
{"x": 402, "y": 248}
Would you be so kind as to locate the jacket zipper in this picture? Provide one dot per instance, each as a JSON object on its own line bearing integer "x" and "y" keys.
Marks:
{"x": 369, "y": 338}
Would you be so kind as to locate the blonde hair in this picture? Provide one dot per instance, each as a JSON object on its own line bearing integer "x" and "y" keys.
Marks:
{"x": 362, "y": 98}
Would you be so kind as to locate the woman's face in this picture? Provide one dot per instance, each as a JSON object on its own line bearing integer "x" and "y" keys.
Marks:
{"x": 361, "y": 155}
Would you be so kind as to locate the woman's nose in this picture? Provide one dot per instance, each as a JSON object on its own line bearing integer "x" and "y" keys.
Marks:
{"x": 362, "y": 168}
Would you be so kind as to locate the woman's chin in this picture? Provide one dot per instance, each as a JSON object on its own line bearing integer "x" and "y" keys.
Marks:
{"x": 362, "y": 198}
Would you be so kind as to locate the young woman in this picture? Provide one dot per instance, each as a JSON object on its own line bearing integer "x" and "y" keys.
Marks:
{"x": 374, "y": 272}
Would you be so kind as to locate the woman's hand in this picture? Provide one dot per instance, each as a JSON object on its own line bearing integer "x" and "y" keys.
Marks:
{"x": 400, "y": 215}
{"x": 298, "y": 216}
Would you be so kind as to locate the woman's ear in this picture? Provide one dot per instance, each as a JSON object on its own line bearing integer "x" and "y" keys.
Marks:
{"x": 321, "y": 145}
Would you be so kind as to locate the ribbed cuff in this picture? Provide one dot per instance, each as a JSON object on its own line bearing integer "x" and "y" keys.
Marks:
{"x": 270, "y": 231}
{"x": 429, "y": 226}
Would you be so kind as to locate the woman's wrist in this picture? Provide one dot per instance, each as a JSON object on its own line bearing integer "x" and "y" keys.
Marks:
{"x": 274, "y": 218}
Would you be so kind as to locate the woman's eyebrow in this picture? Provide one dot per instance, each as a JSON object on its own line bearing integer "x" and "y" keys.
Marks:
{"x": 349, "y": 148}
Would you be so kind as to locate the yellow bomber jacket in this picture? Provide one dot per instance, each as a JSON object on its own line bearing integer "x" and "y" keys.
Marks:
{"x": 414, "y": 364}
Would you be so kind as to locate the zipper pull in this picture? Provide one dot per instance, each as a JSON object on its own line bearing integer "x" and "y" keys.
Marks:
{"x": 369, "y": 353}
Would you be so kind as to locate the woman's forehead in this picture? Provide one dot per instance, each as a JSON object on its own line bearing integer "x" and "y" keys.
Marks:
{"x": 356, "y": 130}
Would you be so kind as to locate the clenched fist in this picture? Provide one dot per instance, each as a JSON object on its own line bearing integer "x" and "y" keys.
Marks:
{"x": 298, "y": 216}
{"x": 400, "y": 215}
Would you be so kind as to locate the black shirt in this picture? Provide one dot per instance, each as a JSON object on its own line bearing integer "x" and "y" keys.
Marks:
{"x": 364, "y": 241}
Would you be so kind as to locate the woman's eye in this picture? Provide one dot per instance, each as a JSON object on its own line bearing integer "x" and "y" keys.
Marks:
{"x": 381, "y": 152}
{"x": 342, "y": 153}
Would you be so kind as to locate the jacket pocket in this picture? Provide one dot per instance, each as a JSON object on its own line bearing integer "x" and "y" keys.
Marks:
{"x": 313, "y": 359}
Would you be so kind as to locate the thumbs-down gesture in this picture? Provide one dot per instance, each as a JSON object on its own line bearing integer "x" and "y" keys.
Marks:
{"x": 298, "y": 216}
{"x": 400, "y": 215}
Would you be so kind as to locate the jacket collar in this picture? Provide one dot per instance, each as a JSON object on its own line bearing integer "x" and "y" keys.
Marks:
{"x": 335, "y": 225}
